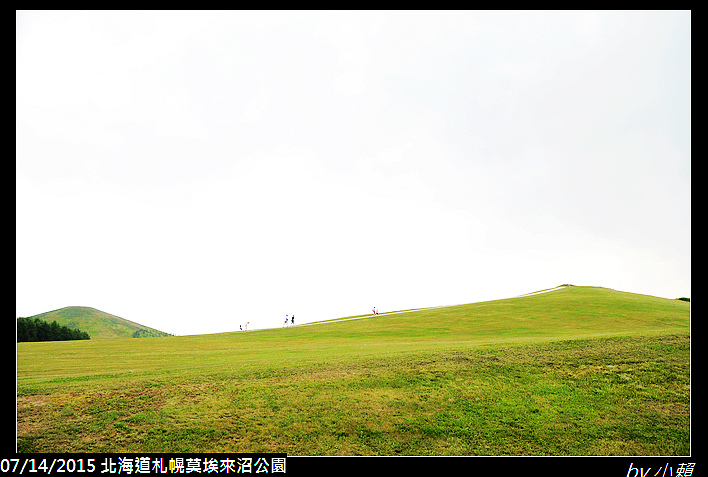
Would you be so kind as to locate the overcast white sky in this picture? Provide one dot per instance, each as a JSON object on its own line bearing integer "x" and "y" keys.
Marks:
{"x": 192, "y": 171}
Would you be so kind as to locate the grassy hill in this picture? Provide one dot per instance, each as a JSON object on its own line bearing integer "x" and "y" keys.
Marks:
{"x": 574, "y": 371}
{"x": 98, "y": 324}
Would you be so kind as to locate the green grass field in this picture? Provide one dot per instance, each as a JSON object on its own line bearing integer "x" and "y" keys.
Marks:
{"x": 576, "y": 371}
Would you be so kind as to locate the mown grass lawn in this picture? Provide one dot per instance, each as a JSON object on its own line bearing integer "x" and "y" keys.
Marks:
{"x": 393, "y": 387}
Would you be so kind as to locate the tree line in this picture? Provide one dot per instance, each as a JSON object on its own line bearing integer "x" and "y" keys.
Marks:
{"x": 141, "y": 333}
{"x": 36, "y": 329}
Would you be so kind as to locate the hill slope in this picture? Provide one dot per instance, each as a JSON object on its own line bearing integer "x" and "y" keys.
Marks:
{"x": 561, "y": 313}
{"x": 565, "y": 314}
{"x": 96, "y": 323}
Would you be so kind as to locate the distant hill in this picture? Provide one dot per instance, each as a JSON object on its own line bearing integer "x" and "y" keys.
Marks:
{"x": 98, "y": 324}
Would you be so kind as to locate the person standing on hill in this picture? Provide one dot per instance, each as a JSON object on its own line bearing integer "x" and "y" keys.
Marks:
{"x": 293, "y": 320}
